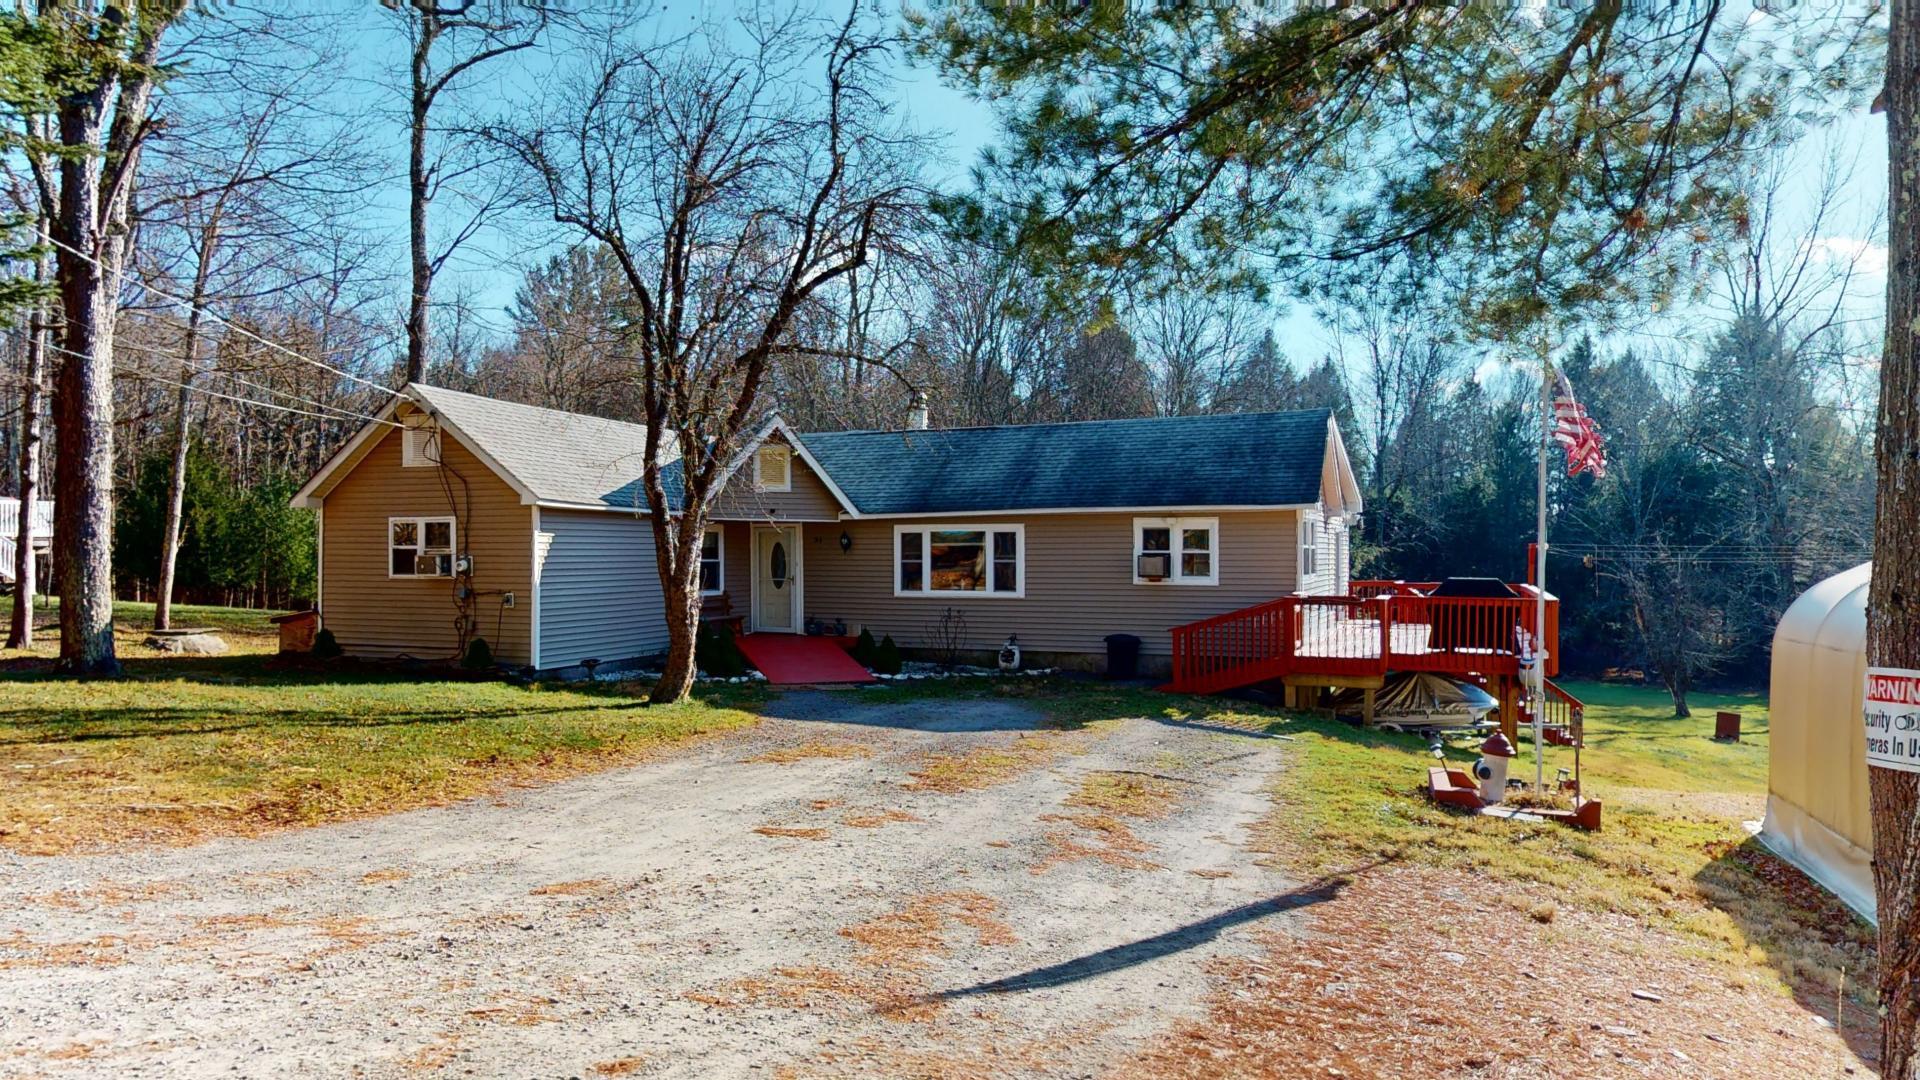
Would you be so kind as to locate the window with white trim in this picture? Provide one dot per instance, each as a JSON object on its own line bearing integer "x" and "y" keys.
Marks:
{"x": 420, "y": 547}
{"x": 944, "y": 560}
{"x": 1176, "y": 551}
{"x": 713, "y": 573}
{"x": 419, "y": 445}
{"x": 1310, "y": 548}
{"x": 773, "y": 468}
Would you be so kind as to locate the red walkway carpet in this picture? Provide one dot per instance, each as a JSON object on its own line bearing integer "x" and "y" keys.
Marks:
{"x": 793, "y": 658}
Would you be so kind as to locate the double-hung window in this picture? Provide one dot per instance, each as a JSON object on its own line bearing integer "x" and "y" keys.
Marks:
{"x": 1310, "y": 549}
{"x": 713, "y": 579}
{"x": 420, "y": 547}
{"x": 1176, "y": 551}
{"x": 943, "y": 560}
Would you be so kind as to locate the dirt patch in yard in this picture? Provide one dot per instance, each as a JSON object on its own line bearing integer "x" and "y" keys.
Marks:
{"x": 1422, "y": 972}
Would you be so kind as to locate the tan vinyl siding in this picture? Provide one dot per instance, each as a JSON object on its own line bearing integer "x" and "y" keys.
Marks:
{"x": 1079, "y": 582}
{"x": 599, "y": 589}
{"x": 808, "y": 501}
{"x": 374, "y": 615}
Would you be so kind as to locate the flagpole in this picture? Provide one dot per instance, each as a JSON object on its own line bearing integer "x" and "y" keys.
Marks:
{"x": 1539, "y": 690}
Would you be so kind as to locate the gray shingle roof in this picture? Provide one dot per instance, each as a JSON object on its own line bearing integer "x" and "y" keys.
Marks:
{"x": 1245, "y": 459}
{"x": 561, "y": 457}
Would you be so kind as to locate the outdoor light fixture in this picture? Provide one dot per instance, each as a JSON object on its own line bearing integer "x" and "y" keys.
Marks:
{"x": 846, "y": 541}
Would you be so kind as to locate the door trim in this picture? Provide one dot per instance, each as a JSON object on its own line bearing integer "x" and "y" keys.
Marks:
{"x": 795, "y": 576}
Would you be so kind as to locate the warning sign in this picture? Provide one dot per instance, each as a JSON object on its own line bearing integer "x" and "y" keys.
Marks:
{"x": 1893, "y": 718}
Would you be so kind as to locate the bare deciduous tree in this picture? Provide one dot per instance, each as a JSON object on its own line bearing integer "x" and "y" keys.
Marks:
{"x": 449, "y": 39}
{"x": 733, "y": 175}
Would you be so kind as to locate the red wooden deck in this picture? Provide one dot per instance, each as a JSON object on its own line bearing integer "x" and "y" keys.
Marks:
{"x": 1381, "y": 627}
{"x": 793, "y": 659}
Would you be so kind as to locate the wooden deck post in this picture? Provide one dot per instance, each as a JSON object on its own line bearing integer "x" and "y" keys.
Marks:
{"x": 1510, "y": 708}
{"x": 1366, "y": 706}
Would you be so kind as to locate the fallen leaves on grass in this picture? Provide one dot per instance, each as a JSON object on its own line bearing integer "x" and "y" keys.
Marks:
{"x": 584, "y": 886}
{"x": 518, "y": 1011}
{"x": 787, "y": 755}
{"x": 1368, "y": 990}
{"x": 434, "y": 1056}
{"x": 791, "y": 832}
{"x": 392, "y": 873}
{"x": 1114, "y": 843}
{"x": 876, "y": 820}
{"x": 985, "y": 766}
{"x": 903, "y": 939}
{"x": 619, "y": 1066}
{"x": 107, "y": 950}
{"x": 892, "y": 996}
{"x": 989, "y": 1061}
{"x": 895, "y": 947}
{"x": 110, "y": 894}
{"x": 241, "y": 922}
{"x": 1130, "y": 793}
{"x": 827, "y": 804}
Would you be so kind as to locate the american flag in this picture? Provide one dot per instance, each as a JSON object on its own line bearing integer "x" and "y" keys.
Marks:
{"x": 1575, "y": 430}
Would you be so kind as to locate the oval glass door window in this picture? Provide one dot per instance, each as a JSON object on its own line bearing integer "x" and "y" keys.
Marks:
{"x": 778, "y": 564}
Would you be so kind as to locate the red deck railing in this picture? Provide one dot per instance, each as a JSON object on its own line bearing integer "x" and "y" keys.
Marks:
{"x": 1382, "y": 627}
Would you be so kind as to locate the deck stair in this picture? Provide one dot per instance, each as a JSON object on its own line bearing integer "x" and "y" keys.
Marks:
{"x": 1379, "y": 627}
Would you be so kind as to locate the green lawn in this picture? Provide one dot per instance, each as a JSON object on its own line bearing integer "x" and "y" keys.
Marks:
{"x": 183, "y": 747}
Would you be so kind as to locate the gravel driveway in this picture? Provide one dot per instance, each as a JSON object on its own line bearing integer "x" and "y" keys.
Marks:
{"x": 828, "y": 893}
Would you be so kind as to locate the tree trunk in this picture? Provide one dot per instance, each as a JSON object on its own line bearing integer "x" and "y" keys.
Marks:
{"x": 418, "y": 183}
{"x": 91, "y": 226}
{"x": 681, "y": 600}
{"x": 32, "y": 404}
{"x": 1893, "y": 598}
{"x": 83, "y": 407}
{"x": 170, "y": 529}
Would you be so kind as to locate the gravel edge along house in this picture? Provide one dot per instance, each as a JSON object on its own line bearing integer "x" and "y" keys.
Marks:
{"x": 527, "y": 526}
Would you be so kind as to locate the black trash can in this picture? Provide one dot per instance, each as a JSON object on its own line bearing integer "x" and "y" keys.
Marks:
{"x": 1123, "y": 656}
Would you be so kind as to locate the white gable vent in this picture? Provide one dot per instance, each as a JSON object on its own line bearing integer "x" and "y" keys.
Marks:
{"x": 419, "y": 444}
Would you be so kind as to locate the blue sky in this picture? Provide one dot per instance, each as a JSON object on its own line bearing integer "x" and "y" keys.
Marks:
{"x": 488, "y": 271}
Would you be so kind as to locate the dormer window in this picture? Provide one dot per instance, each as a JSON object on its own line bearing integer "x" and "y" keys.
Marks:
{"x": 773, "y": 468}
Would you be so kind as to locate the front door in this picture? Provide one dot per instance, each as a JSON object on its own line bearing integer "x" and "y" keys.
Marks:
{"x": 776, "y": 579}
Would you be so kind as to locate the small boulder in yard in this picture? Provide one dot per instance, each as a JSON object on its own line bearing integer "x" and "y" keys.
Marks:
{"x": 187, "y": 642}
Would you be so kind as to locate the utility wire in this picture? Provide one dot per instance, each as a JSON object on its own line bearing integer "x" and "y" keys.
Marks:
{"x": 228, "y": 323}
{"x": 136, "y": 373}
{"x": 238, "y": 378}
{"x": 133, "y": 372}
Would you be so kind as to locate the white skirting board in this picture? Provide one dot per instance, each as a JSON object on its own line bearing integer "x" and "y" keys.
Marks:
{"x": 1825, "y": 855}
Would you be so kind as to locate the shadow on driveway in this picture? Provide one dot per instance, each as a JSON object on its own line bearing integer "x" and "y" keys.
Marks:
{"x": 1173, "y": 941}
